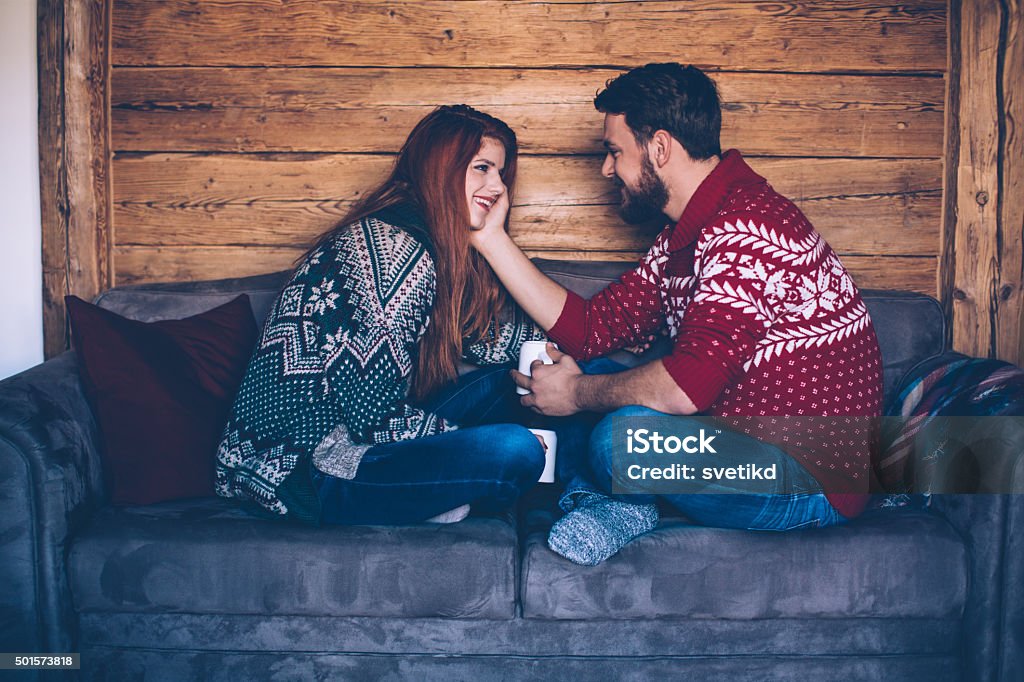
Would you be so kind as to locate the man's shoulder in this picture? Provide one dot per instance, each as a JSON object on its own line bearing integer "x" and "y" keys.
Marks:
{"x": 758, "y": 201}
{"x": 767, "y": 228}
{"x": 761, "y": 211}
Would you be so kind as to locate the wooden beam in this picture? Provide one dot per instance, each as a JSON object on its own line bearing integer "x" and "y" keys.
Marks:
{"x": 206, "y": 179}
{"x": 946, "y": 274}
{"x": 1010, "y": 311}
{"x": 74, "y": 157}
{"x": 986, "y": 294}
{"x": 862, "y": 206}
{"x": 52, "y": 176}
{"x": 88, "y": 145}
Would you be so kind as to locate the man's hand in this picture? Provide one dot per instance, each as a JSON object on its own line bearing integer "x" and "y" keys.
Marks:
{"x": 562, "y": 389}
{"x": 494, "y": 223}
{"x": 553, "y": 387}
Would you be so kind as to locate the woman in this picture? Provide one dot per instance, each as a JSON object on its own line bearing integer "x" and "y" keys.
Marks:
{"x": 350, "y": 411}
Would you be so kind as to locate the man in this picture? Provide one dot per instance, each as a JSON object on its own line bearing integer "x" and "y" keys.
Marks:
{"x": 764, "y": 320}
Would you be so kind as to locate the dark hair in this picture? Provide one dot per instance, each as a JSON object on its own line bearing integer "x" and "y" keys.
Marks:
{"x": 678, "y": 99}
{"x": 430, "y": 175}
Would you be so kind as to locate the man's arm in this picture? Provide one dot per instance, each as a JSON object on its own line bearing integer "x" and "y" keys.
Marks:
{"x": 562, "y": 389}
{"x": 541, "y": 297}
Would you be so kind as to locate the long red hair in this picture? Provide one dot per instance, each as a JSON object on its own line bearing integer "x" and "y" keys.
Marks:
{"x": 430, "y": 174}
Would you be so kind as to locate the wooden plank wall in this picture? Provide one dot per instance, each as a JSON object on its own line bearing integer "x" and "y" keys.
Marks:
{"x": 243, "y": 128}
{"x": 983, "y": 259}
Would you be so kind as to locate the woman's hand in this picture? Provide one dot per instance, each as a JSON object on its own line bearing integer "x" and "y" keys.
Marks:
{"x": 648, "y": 341}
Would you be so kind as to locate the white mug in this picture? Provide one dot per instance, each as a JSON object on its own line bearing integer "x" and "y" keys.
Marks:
{"x": 530, "y": 351}
{"x": 550, "y": 451}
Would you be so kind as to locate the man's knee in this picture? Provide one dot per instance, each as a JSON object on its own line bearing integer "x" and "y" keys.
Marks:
{"x": 612, "y": 432}
{"x": 609, "y": 431}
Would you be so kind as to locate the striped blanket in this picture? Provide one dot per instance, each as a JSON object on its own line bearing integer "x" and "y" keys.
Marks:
{"x": 914, "y": 439}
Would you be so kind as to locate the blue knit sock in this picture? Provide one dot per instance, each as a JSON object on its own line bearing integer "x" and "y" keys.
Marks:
{"x": 598, "y": 527}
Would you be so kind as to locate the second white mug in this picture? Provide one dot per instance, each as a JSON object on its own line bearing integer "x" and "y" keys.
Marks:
{"x": 530, "y": 351}
{"x": 550, "y": 453}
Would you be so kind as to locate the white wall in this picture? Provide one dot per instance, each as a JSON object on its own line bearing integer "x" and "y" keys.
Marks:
{"x": 21, "y": 297}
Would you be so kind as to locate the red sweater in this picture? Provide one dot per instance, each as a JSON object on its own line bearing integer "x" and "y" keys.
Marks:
{"x": 765, "y": 321}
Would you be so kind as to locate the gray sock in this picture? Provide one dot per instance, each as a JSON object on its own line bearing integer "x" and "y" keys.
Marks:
{"x": 598, "y": 527}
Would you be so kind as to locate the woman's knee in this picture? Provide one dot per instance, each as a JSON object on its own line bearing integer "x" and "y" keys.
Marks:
{"x": 517, "y": 450}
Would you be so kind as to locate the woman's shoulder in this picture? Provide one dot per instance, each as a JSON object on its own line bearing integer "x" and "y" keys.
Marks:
{"x": 370, "y": 249}
{"x": 378, "y": 246}
{"x": 406, "y": 217}
{"x": 386, "y": 233}
{"x": 366, "y": 241}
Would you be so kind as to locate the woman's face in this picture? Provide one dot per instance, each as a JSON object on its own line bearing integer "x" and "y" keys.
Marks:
{"x": 483, "y": 180}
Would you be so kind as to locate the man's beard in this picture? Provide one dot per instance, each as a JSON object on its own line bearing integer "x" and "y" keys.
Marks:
{"x": 648, "y": 200}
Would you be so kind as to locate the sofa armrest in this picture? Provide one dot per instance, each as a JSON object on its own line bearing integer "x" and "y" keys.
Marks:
{"x": 983, "y": 521}
{"x": 991, "y": 525}
{"x": 50, "y": 483}
{"x": 986, "y": 463}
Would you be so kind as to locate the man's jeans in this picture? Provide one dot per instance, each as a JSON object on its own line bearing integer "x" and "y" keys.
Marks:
{"x": 795, "y": 501}
{"x": 487, "y": 462}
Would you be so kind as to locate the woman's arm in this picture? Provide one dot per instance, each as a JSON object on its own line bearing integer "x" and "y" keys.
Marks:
{"x": 621, "y": 315}
{"x": 541, "y": 297}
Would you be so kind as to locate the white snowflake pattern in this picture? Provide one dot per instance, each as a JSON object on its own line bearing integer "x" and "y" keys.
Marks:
{"x": 788, "y": 339}
{"x": 735, "y": 297}
{"x": 767, "y": 241}
{"x": 322, "y": 298}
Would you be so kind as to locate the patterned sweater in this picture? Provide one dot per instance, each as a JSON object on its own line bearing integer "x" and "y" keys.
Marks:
{"x": 765, "y": 322}
{"x": 331, "y": 373}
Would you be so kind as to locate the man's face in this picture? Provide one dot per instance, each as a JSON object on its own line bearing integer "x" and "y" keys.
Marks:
{"x": 644, "y": 194}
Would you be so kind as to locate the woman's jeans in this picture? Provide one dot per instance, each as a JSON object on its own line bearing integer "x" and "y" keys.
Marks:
{"x": 794, "y": 500}
{"x": 487, "y": 462}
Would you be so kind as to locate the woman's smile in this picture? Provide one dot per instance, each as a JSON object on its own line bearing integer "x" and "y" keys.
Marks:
{"x": 485, "y": 202}
{"x": 484, "y": 183}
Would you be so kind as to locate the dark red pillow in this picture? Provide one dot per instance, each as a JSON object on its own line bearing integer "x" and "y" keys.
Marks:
{"x": 161, "y": 392}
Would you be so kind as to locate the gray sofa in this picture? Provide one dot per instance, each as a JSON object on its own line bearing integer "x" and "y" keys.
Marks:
{"x": 183, "y": 590}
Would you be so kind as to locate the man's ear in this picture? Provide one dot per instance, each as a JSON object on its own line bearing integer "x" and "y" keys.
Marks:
{"x": 660, "y": 148}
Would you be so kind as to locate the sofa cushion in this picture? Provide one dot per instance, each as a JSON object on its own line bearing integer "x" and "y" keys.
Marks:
{"x": 910, "y": 327}
{"x": 883, "y": 565}
{"x": 174, "y": 300}
{"x": 210, "y": 556}
{"x": 161, "y": 393}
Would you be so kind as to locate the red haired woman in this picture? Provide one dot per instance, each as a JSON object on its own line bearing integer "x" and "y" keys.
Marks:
{"x": 351, "y": 410}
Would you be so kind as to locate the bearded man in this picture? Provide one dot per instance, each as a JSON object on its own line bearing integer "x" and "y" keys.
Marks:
{"x": 773, "y": 350}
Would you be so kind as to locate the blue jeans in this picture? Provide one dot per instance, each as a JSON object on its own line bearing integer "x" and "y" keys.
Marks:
{"x": 486, "y": 463}
{"x": 797, "y": 500}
